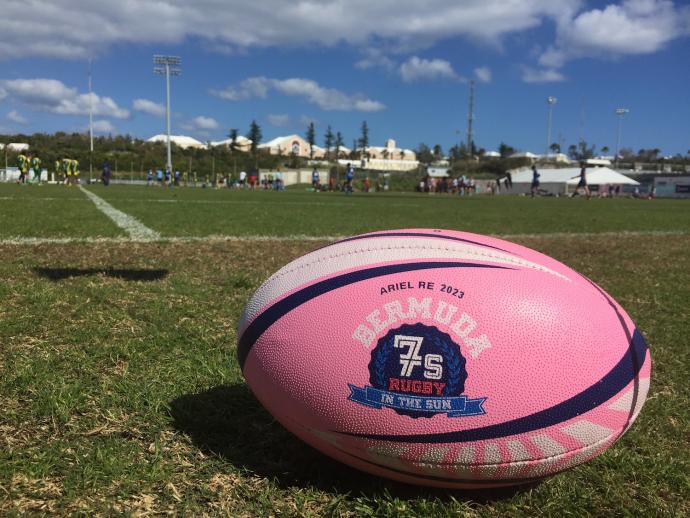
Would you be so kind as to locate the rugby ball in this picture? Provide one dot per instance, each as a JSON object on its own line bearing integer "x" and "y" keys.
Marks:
{"x": 443, "y": 358}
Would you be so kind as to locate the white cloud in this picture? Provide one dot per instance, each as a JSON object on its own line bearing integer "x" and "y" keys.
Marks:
{"x": 17, "y": 117}
{"x": 200, "y": 125}
{"x": 548, "y": 75}
{"x": 150, "y": 107}
{"x": 103, "y": 126}
{"x": 483, "y": 74}
{"x": 77, "y": 29}
{"x": 375, "y": 58}
{"x": 633, "y": 27}
{"x": 205, "y": 123}
{"x": 278, "y": 119}
{"x": 54, "y": 96}
{"x": 420, "y": 69}
{"x": 3, "y": 93}
{"x": 328, "y": 99}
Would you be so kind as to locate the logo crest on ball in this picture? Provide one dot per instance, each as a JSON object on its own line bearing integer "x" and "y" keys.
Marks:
{"x": 417, "y": 371}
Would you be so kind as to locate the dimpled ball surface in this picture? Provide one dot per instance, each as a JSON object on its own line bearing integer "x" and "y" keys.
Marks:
{"x": 443, "y": 358}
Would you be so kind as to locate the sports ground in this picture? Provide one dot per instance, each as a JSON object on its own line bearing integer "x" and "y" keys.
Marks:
{"x": 121, "y": 393}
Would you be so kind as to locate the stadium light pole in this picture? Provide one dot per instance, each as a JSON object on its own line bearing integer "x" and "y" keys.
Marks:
{"x": 620, "y": 112}
{"x": 550, "y": 101}
{"x": 167, "y": 66}
{"x": 90, "y": 127}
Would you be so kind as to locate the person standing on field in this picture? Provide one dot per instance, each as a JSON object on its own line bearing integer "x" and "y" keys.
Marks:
{"x": 23, "y": 166}
{"x": 535, "y": 181}
{"x": 105, "y": 173}
{"x": 349, "y": 177}
{"x": 36, "y": 166}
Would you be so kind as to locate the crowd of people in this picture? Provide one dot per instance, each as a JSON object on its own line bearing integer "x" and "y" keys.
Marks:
{"x": 461, "y": 185}
{"x": 66, "y": 170}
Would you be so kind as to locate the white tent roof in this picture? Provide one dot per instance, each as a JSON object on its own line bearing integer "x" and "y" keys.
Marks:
{"x": 603, "y": 176}
{"x": 241, "y": 141}
{"x": 182, "y": 141}
{"x": 571, "y": 176}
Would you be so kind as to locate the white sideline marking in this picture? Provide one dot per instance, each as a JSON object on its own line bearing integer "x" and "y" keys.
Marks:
{"x": 274, "y": 201}
{"x": 135, "y": 228}
{"x": 19, "y": 240}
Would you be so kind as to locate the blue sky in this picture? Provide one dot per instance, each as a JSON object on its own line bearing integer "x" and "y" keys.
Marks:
{"x": 402, "y": 66}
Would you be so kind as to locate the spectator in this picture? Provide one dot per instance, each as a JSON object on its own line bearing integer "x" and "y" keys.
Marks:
{"x": 243, "y": 179}
{"x": 149, "y": 178}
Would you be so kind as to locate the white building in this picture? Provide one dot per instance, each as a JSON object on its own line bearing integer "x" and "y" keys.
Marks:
{"x": 182, "y": 141}
{"x": 241, "y": 143}
{"x": 16, "y": 146}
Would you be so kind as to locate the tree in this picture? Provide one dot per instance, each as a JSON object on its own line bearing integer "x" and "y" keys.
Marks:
{"x": 338, "y": 144}
{"x": 504, "y": 149}
{"x": 364, "y": 139}
{"x": 582, "y": 151}
{"x": 605, "y": 150}
{"x": 233, "y": 140}
{"x": 255, "y": 136}
{"x": 328, "y": 141}
{"x": 555, "y": 147}
{"x": 311, "y": 139}
{"x": 424, "y": 154}
{"x": 438, "y": 152}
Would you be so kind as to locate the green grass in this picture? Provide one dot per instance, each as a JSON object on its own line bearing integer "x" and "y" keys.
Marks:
{"x": 120, "y": 391}
{"x": 50, "y": 211}
{"x": 197, "y": 212}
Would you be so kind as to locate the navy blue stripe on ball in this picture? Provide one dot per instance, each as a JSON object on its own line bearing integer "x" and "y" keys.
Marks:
{"x": 415, "y": 234}
{"x": 617, "y": 379}
{"x": 281, "y": 308}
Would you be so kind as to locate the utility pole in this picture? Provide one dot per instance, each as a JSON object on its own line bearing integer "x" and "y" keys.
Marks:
{"x": 167, "y": 66}
{"x": 470, "y": 119}
{"x": 550, "y": 101}
{"x": 90, "y": 126}
{"x": 620, "y": 112}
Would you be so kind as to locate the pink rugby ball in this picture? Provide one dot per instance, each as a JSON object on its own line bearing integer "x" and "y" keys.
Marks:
{"x": 443, "y": 358}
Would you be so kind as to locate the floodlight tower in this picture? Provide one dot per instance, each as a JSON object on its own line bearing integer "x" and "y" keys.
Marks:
{"x": 90, "y": 126}
{"x": 168, "y": 66}
{"x": 550, "y": 101}
{"x": 620, "y": 112}
{"x": 470, "y": 120}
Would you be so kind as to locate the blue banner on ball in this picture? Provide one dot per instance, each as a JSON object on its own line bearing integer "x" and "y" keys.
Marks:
{"x": 457, "y": 406}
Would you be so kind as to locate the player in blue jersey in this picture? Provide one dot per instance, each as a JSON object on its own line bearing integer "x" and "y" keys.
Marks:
{"x": 535, "y": 181}
{"x": 349, "y": 177}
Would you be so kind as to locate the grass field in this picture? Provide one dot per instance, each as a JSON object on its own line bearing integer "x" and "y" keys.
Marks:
{"x": 120, "y": 391}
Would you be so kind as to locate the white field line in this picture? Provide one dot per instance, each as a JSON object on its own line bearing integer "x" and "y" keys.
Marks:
{"x": 135, "y": 228}
{"x": 212, "y": 202}
{"x": 299, "y": 237}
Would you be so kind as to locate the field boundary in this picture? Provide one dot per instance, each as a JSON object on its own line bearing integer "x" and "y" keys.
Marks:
{"x": 29, "y": 241}
{"x": 135, "y": 228}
